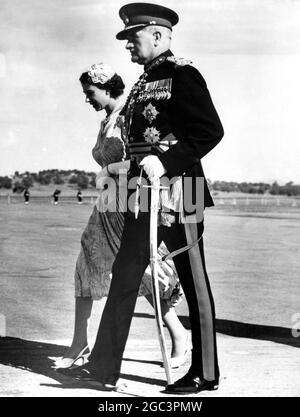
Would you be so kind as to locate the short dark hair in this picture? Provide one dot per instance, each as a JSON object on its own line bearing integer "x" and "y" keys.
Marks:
{"x": 114, "y": 85}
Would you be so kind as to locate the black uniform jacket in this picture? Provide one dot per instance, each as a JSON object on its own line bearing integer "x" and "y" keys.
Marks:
{"x": 174, "y": 104}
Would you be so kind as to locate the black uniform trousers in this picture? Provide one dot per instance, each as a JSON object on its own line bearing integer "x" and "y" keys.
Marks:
{"x": 127, "y": 272}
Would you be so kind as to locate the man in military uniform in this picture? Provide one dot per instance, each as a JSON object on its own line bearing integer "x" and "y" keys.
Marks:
{"x": 170, "y": 124}
{"x": 79, "y": 197}
{"x": 26, "y": 196}
{"x": 56, "y": 196}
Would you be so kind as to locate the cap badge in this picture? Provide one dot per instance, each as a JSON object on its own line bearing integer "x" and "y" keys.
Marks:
{"x": 125, "y": 18}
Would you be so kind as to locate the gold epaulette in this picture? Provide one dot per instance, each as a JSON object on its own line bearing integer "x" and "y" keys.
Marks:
{"x": 179, "y": 61}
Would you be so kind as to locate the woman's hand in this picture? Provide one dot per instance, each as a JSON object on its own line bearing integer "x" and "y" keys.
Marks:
{"x": 114, "y": 168}
{"x": 117, "y": 168}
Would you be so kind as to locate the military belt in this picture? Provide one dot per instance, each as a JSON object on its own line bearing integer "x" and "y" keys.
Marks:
{"x": 142, "y": 149}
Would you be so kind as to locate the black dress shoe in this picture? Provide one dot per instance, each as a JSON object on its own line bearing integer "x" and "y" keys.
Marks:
{"x": 191, "y": 384}
{"x": 85, "y": 374}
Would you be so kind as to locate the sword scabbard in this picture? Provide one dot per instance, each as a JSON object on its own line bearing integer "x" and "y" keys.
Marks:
{"x": 155, "y": 187}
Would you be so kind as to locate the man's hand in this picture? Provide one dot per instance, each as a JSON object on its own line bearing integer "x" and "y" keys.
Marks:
{"x": 153, "y": 167}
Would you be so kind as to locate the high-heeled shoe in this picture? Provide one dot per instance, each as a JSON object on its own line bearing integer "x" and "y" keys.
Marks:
{"x": 81, "y": 359}
{"x": 178, "y": 361}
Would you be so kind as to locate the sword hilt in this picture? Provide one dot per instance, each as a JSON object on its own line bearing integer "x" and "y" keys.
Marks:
{"x": 137, "y": 195}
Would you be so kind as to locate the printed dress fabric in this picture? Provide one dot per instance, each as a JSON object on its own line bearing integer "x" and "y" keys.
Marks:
{"x": 101, "y": 238}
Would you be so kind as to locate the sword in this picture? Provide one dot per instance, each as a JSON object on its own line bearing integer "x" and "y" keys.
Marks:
{"x": 155, "y": 187}
{"x": 137, "y": 195}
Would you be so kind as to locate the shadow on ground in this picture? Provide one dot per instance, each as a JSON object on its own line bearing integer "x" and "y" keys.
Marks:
{"x": 35, "y": 357}
{"x": 275, "y": 334}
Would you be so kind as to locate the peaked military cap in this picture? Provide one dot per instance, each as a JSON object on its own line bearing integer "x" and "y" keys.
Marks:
{"x": 135, "y": 15}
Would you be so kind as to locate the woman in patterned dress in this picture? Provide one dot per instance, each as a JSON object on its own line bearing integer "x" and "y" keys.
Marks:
{"x": 100, "y": 240}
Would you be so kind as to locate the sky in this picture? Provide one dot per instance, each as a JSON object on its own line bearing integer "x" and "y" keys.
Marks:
{"x": 247, "y": 50}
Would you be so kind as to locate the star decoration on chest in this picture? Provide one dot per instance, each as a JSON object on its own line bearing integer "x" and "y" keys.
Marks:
{"x": 151, "y": 135}
{"x": 150, "y": 113}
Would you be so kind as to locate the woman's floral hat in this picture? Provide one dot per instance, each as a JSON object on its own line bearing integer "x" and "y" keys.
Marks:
{"x": 100, "y": 73}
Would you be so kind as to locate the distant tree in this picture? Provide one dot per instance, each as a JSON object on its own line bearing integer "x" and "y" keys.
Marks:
{"x": 57, "y": 179}
{"x": 289, "y": 189}
{"x": 274, "y": 190}
{"x": 244, "y": 187}
{"x": 18, "y": 187}
{"x": 82, "y": 181}
{"x": 44, "y": 178}
{"x": 27, "y": 181}
{"x": 263, "y": 187}
{"x": 225, "y": 186}
{"x": 73, "y": 179}
{"x": 93, "y": 180}
{"x": 5, "y": 182}
{"x": 296, "y": 190}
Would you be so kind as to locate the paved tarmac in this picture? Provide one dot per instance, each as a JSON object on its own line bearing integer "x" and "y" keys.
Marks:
{"x": 257, "y": 366}
{"x": 253, "y": 263}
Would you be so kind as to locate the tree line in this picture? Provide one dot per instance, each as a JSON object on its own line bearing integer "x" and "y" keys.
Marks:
{"x": 21, "y": 181}
{"x": 289, "y": 189}
{"x": 83, "y": 180}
